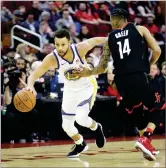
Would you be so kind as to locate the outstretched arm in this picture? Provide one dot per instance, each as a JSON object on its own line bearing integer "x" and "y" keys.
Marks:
{"x": 87, "y": 45}
{"x": 101, "y": 66}
{"x": 103, "y": 61}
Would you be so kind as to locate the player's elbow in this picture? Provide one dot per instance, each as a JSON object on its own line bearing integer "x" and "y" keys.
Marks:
{"x": 157, "y": 50}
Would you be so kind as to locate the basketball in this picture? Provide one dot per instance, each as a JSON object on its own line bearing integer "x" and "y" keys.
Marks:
{"x": 24, "y": 101}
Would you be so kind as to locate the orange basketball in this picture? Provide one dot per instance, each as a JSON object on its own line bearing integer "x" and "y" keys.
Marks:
{"x": 24, "y": 101}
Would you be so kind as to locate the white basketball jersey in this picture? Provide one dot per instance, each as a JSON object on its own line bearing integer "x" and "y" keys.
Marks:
{"x": 66, "y": 68}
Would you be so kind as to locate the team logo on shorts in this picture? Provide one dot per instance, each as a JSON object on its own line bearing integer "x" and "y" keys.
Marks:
{"x": 69, "y": 74}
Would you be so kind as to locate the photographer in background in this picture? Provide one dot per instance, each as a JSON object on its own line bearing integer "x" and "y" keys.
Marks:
{"x": 15, "y": 120}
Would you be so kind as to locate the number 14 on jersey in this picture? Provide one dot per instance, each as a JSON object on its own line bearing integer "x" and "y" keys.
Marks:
{"x": 125, "y": 48}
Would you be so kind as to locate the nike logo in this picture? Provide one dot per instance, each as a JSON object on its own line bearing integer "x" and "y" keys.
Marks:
{"x": 63, "y": 63}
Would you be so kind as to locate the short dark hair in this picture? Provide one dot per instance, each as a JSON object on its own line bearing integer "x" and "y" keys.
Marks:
{"x": 61, "y": 33}
{"x": 120, "y": 13}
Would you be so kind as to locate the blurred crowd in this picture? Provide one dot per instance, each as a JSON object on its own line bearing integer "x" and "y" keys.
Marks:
{"x": 84, "y": 20}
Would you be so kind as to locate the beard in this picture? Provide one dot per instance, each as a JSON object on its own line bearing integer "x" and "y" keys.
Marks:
{"x": 63, "y": 54}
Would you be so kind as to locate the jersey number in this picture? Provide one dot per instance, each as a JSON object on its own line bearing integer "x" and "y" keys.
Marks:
{"x": 124, "y": 49}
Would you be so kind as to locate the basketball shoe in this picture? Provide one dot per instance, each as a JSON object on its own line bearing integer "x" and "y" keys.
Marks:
{"x": 100, "y": 139}
{"x": 77, "y": 149}
{"x": 144, "y": 144}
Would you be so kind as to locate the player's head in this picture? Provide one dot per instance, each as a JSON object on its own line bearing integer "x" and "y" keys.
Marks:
{"x": 118, "y": 17}
{"x": 62, "y": 41}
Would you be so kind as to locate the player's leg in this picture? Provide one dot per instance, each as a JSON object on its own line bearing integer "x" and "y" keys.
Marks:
{"x": 154, "y": 117}
{"x": 68, "y": 118}
{"x": 69, "y": 127}
{"x": 133, "y": 90}
{"x": 83, "y": 119}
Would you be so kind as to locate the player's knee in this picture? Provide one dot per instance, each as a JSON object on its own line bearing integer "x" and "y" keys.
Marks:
{"x": 69, "y": 128}
{"x": 81, "y": 119}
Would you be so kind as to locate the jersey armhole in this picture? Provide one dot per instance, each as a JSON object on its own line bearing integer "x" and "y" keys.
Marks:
{"x": 56, "y": 57}
{"x": 78, "y": 54}
{"x": 138, "y": 32}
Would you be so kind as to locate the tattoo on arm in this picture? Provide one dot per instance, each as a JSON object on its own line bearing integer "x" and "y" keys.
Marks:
{"x": 103, "y": 61}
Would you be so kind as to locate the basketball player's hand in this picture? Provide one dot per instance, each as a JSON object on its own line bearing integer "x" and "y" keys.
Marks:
{"x": 82, "y": 72}
{"x": 31, "y": 89}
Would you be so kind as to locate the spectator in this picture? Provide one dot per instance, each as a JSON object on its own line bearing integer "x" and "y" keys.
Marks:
{"x": 154, "y": 71}
{"x": 6, "y": 27}
{"x": 53, "y": 79}
{"x": 138, "y": 20}
{"x": 45, "y": 32}
{"x": 24, "y": 51}
{"x": 163, "y": 70}
{"x": 54, "y": 14}
{"x": 44, "y": 5}
{"x": 74, "y": 34}
{"x": 30, "y": 23}
{"x": 103, "y": 17}
{"x": 47, "y": 49}
{"x": 111, "y": 87}
{"x": 66, "y": 20}
{"x": 20, "y": 63}
{"x": 90, "y": 61}
{"x": 163, "y": 31}
{"x": 45, "y": 16}
{"x": 96, "y": 54}
{"x": 162, "y": 78}
{"x": 153, "y": 28}
{"x": 84, "y": 34}
{"x": 103, "y": 14}
{"x": 22, "y": 10}
{"x": 36, "y": 10}
{"x": 6, "y": 15}
{"x": 159, "y": 20}
{"x": 84, "y": 15}
{"x": 143, "y": 9}
{"x": 67, "y": 6}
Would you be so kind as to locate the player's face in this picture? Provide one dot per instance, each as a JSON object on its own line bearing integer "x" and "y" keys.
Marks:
{"x": 114, "y": 22}
{"x": 62, "y": 46}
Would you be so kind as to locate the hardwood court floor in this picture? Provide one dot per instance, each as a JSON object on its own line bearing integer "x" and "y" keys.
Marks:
{"x": 118, "y": 152}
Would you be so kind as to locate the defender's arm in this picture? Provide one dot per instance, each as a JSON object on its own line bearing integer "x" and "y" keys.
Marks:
{"x": 87, "y": 45}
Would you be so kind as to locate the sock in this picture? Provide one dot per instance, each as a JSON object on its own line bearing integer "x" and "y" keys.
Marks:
{"x": 148, "y": 132}
{"x": 78, "y": 142}
{"x": 95, "y": 128}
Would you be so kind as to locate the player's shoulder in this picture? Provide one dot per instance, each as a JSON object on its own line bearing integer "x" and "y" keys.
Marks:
{"x": 50, "y": 57}
{"x": 142, "y": 29}
{"x": 51, "y": 60}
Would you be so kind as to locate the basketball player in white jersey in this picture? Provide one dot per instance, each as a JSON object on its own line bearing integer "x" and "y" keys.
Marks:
{"x": 79, "y": 93}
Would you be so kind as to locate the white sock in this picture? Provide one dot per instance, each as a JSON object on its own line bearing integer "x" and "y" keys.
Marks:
{"x": 95, "y": 128}
{"x": 78, "y": 142}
